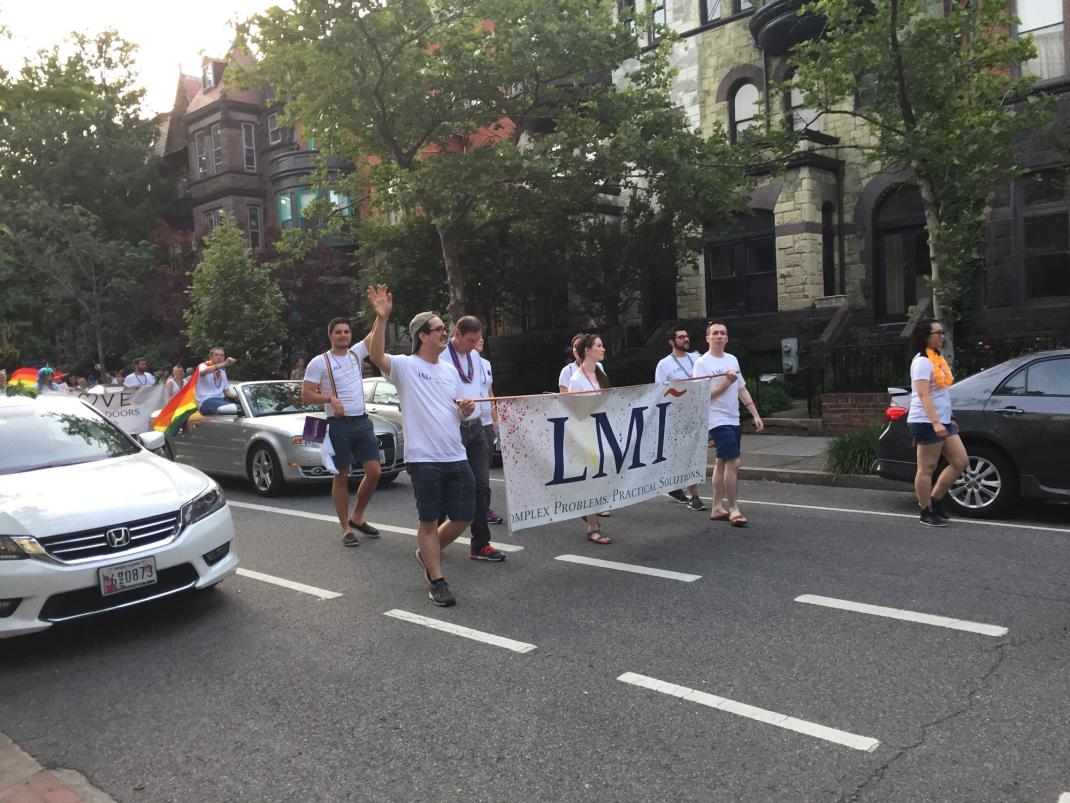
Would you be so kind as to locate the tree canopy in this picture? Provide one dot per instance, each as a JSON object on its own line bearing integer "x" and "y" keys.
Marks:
{"x": 476, "y": 115}
{"x": 941, "y": 92}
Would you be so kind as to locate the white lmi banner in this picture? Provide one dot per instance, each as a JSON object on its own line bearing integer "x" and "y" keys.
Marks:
{"x": 568, "y": 455}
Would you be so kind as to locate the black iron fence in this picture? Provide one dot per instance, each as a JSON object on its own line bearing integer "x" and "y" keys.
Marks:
{"x": 873, "y": 368}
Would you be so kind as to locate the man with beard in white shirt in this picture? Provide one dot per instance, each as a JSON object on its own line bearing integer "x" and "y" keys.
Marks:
{"x": 433, "y": 404}
{"x": 727, "y": 390}
{"x": 679, "y": 364}
{"x": 335, "y": 380}
{"x": 139, "y": 377}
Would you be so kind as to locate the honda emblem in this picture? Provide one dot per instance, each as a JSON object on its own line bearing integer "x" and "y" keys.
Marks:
{"x": 118, "y": 537}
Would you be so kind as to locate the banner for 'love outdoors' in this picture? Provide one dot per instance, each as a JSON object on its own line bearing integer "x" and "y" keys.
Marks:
{"x": 130, "y": 410}
{"x": 567, "y": 456}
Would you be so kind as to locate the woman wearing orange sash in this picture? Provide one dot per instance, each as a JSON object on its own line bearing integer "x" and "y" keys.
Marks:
{"x": 931, "y": 423}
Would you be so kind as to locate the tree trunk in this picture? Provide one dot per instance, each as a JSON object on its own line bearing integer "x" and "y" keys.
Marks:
{"x": 451, "y": 247}
{"x": 932, "y": 224}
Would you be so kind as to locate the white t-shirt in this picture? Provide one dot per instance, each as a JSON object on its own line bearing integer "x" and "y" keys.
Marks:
{"x": 485, "y": 415}
{"x": 174, "y": 386}
{"x": 724, "y": 409}
{"x": 479, "y": 386}
{"x": 672, "y": 368}
{"x": 146, "y": 380}
{"x": 210, "y": 386}
{"x": 566, "y": 374}
{"x": 921, "y": 367}
{"x": 349, "y": 375}
{"x": 581, "y": 381}
{"x": 428, "y": 408}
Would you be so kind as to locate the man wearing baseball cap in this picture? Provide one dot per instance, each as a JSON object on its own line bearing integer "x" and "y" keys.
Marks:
{"x": 432, "y": 408}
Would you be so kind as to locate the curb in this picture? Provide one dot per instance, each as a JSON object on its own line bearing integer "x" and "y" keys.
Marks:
{"x": 800, "y": 476}
{"x": 22, "y": 778}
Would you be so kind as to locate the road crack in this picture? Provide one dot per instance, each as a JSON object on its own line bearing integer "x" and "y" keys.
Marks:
{"x": 976, "y": 687}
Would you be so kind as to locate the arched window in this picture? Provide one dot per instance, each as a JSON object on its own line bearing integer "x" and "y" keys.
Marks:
{"x": 744, "y": 108}
{"x": 799, "y": 116}
{"x": 902, "y": 254}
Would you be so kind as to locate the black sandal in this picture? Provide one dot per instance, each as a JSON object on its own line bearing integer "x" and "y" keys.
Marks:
{"x": 596, "y": 537}
{"x": 365, "y": 528}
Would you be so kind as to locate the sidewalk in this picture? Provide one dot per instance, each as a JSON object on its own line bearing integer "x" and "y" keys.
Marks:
{"x": 798, "y": 459}
{"x": 23, "y": 780}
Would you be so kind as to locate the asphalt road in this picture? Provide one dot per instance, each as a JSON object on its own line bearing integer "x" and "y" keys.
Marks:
{"x": 256, "y": 691}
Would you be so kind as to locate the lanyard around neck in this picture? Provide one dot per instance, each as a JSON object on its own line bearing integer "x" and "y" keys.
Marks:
{"x": 690, "y": 361}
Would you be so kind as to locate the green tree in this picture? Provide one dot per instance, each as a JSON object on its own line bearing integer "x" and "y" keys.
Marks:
{"x": 74, "y": 267}
{"x": 944, "y": 102}
{"x": 236, "y": 303}
{"x": 476, "y": 124}
{"x": 73, "y": 144}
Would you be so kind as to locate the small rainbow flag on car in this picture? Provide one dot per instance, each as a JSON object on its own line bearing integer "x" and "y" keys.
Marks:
{"x": 177, "y": 411}
{"x": 23, "y": 377}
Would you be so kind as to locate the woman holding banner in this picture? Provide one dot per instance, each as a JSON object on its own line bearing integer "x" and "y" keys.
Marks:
{"x": 589, "y": 376}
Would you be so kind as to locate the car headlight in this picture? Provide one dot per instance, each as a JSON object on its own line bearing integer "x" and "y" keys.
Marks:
{"x": 204, "y": 505}
{"x": 17, "y": 547}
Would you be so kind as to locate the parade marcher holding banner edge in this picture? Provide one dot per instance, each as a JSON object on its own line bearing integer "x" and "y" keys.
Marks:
{"x": 727, "y": 390}
{"x": 679, "y": 365}
{"x": 334, "y": 379}
{"x": 432, "y": 408}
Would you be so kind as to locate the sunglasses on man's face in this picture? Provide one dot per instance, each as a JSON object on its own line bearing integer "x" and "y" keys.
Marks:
{"x": 440, "y": 328}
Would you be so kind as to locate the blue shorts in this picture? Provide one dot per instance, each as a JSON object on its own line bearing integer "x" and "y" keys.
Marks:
{"x": 443, "y": 489}
{"x": 924, "y": 434}
{"x": 727, "y": 438}
{"x": 211, "y": 405}
{"x": 353, "y": 440}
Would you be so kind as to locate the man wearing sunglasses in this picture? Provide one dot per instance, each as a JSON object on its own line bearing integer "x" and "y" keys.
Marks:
{"x": 433, "y": 404}
{"x": 679, "y": 364}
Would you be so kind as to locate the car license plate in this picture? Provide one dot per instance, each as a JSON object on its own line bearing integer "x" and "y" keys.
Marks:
{"x": 125, "y": 576}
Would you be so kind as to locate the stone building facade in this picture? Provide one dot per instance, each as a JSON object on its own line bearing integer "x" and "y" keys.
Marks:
{"x": 834, "y": 231}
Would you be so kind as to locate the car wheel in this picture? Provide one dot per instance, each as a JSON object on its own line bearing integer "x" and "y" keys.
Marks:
{"x": 386, "y": 479}
{"x": 265, "y": 471}
{"x": 988, "y": 486}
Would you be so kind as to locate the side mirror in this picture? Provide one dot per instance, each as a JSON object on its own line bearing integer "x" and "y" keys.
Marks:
{"x": 228, "y": 409}
{"x": 152, "y": 440}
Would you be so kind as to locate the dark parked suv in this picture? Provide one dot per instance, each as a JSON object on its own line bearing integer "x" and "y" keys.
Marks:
{"x": 1015, "y": 422}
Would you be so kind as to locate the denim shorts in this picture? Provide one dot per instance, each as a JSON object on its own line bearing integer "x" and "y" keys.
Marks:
{"x": 443, "y": 489}
{"x": 353, "y": 440}
{"x": 924, "y": 434}
{"x": 728, "y": 439}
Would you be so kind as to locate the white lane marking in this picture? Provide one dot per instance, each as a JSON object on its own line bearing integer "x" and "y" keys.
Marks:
{"x": 751, "y": 712}
{"x": 630, "y": 567}
{"x": 900, "y": 515}
{"x": 386, "y": 528}
{"x": 460, "y": 630}
{"x": 907, "y": 616}
{"x": 290, "y": 584}
{"x": 884, "y": 513}
{"x": 1064, "y": 797}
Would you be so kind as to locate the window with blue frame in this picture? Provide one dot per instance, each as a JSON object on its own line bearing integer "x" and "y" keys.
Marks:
{"x": 294, "y": 205}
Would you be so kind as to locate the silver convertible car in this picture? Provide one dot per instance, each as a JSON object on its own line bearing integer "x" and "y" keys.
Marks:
{"x": 260, "y": 438}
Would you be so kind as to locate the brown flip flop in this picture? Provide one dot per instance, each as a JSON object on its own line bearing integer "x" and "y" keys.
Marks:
{"x": 722, "y": 517}
{"x": 737, "y": 520}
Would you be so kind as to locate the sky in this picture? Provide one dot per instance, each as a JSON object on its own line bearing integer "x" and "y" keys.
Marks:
{"x": 168, "y": 34}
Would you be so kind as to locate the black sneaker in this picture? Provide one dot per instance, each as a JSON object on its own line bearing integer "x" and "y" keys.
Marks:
{"x": 928, "y": 516}
{"x": 420, "y": 560}
{"x": 938, "y": 509}
{"x": 695, "y": 503}
{"x": 678, "y": 495}
{"x": 350, "y": 539}
{"x": 440, "y": 594}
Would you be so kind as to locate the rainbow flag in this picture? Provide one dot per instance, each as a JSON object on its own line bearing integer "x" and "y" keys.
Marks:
{"x": 24, "y": 377}
{"x": 178, "y": 410}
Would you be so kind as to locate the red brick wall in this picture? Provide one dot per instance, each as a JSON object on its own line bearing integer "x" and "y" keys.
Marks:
{"x": 851, "y": 412}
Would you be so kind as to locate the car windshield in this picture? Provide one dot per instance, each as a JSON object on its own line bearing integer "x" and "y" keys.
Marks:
{"x": 41, "y": 435}
{"x": 277, "y": 398}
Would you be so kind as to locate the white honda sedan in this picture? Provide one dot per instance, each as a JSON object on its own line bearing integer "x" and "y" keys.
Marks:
{"x": 92, "y": 521}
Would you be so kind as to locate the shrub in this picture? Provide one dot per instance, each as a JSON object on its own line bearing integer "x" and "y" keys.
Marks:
{"x": 770, "y": 397}
{"x": 853, "y": 452}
